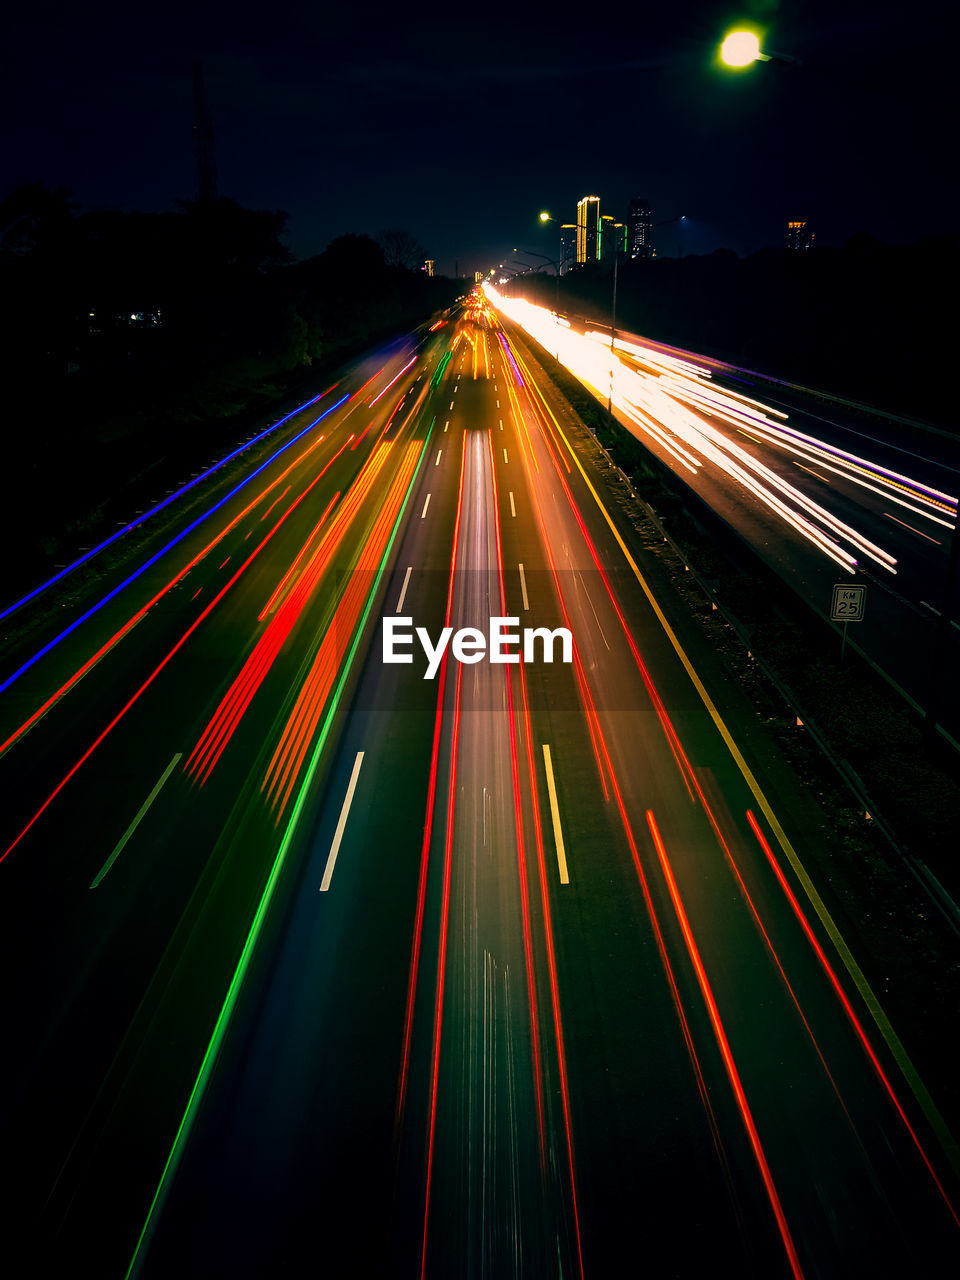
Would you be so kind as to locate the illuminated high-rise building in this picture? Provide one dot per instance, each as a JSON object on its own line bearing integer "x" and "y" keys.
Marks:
{"x": 639, "y": 229}
{"x": 799, "y": 236}
{"x": 612, "y": 237}
{"x": 568, "y": 245}
{"x": 588, "y": 229}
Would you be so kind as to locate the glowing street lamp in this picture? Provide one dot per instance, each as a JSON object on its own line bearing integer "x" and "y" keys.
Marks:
{"x": 545, "y": 217}
{"x": 741, "y": 48}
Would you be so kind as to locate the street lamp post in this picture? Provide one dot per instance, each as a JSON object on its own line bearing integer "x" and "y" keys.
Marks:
{"x": 741, "y": 49}
{"x": 613, "y": 307}
{"x": 546, "y": 217}
{"x": 530, "y": 254}
{"x": 556, "y": 267}
{"x": 613, "y": 328}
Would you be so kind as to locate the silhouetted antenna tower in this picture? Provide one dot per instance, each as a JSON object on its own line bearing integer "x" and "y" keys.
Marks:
{"x": 203, "y": 139}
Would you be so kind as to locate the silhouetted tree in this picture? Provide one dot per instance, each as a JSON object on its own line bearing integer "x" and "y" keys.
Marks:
{"x": 401, "y": 249}
{"x": 223, "y": 233}
{"x": 124, "y": 336}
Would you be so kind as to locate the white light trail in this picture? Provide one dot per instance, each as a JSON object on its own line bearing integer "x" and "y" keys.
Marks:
{"x": 675, "y": 402}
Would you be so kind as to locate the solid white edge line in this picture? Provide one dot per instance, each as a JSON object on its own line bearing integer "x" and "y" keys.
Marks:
{"x": 816, "y": 474}
{"x": 136, "y": 822}
{"x": 912, "y": 529}
{"x": 338, "y": 834}
{"x": 555, "y": 815}
{"x": 403, "y": 589}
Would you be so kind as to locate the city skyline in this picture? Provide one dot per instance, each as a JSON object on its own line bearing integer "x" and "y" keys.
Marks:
{"x": 294, "y": 104}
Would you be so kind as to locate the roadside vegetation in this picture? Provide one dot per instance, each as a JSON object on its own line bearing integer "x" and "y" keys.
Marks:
{"x": 134, "y": 345}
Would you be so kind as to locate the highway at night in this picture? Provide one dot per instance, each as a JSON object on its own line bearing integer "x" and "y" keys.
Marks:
{"x": 325, "y": 967}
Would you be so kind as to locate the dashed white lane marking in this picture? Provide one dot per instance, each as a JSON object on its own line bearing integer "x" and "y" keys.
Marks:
{"x": 403, "y": 589}
{"x": 816, "y": 474}
{"x": 338, "y": 834}
{"x": 555, "y": 815}
{"x": 912, "y": 529}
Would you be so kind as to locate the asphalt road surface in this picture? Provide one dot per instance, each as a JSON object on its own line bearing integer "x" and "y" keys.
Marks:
{"x": 317, "y": 965}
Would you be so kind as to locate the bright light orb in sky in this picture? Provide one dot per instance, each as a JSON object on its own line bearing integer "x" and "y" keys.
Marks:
{"x": 740, "y": 49}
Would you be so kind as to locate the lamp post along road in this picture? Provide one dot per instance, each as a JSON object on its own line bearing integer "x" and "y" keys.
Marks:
{"x": 613, "y": 327}
{"x": 529, "y": 253}
{"x": 556, "y": 267}
{"x": 742, "y": 49}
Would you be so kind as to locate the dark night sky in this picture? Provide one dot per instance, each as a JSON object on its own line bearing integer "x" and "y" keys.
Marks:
{"x": 460, "y": 122}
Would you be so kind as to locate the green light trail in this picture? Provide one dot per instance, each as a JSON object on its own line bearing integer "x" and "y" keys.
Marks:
{"x": 441, "y": 367}
{"x": 233, "y": 991}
